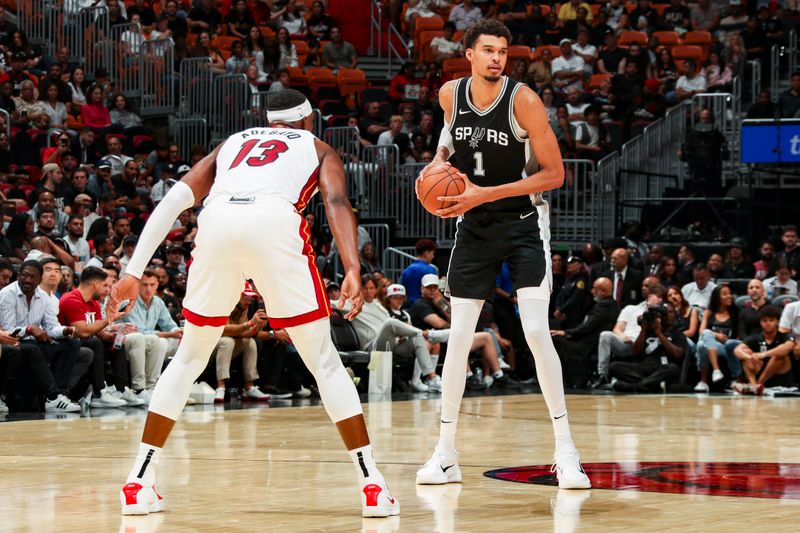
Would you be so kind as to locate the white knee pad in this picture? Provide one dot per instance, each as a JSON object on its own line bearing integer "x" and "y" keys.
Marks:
{"x": 172, "y": 389}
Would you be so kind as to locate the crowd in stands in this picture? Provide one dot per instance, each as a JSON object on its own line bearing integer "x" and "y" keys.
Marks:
{"x": 80, "y": 171}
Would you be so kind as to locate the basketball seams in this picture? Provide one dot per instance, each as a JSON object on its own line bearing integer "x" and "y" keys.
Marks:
{"x": 450, "y": 175}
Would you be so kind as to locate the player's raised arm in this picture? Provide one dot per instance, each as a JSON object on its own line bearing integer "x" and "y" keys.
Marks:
{"x": 332, "y": 186}
{"x": 183, "y": 195}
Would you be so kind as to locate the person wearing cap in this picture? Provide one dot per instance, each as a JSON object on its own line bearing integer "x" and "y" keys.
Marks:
{"x": 426, "y": 366}
{"x": 568, "y": 69}
{"x": 77, "y": 246}
{"x": 175, "y": 263}
{"x": 166, "y": 181}
{"x": 573, "y": 298}
{"x": 115, "y": 155}
{"x": 100, "y": 183}
{"x": 432, "y": 311}
{"x": 17, "y": 73}
{"x": 52, "y": 180}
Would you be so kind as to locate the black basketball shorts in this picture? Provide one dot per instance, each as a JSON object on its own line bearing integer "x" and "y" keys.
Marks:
{"x": 484, "y": 240}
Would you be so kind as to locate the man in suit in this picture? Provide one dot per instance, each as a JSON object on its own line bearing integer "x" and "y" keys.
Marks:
{"x": 687, "y": 261}
{"x": 652, "y": 265}
{"x": 626, "y": 282}
{"x": 600, "y": 267}
{"x": 574, "y": 345}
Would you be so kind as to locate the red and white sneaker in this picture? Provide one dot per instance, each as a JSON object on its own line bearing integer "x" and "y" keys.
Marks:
{"x": 377, "y": 501}
{"x": 139, "y": 500}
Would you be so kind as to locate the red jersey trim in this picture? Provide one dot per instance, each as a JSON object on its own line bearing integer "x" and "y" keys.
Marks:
{"x": 308, "y": 190}
{"x": 200, "y": 320}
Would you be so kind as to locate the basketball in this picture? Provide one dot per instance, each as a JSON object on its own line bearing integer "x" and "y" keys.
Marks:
{"x": 440, "y": 181}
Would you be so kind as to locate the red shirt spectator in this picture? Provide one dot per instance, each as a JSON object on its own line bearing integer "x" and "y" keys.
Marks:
{"x": 73, "y": 308}
{"x": 94, "y": 113}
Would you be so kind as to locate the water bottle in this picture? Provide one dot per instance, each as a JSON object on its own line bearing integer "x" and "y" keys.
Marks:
{"x": 119, "y": 338}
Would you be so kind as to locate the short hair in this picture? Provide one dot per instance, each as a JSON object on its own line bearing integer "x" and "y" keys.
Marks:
{"x": 149, "y": 273}
{"x": 73, "y": 216}
{"x": 688, "y": 248}
{"x": 91, "y": 274}
{"x": 5, "y": 265}
{"x": 450, "y": 24}
{"x": 769, "y": 311}
{"x": 43, "y": 191}
{"x": 485, "y": 27}
{"x": 425, "y": 245}
{"x": 49, "y": 167}
{"x": 46, "y": 259}
{"x": 699, "y": 267}
{"x": 100, "y": 239}
{"x": 120, "y": 217}
{"x": 32, "y": 263}
{"x": 44, "y": 211}
{"x": 285, "y": 99}
{"x": 657, "y": 290}
{"x": 105, "y": 197}
{"x": 788, "y": 228}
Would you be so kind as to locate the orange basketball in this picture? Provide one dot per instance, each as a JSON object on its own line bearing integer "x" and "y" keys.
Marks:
{"x": 440, "y": 181}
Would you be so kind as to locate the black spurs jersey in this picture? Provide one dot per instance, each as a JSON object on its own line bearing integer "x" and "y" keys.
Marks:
{"x": 490, "y": 146}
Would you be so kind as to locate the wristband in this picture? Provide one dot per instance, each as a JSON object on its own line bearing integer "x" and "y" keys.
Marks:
{"x": 271, "y": 333}
{"x": 28, "y": 330}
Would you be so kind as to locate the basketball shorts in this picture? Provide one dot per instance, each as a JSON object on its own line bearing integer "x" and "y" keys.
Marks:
{"x": 266, "y": 241}
{"x": 484, "y": 240}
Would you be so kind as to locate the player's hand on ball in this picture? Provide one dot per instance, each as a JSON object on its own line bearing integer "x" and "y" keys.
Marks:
{"x": 429, "y": 168}
{"x": 470, "y": 198}
{"x": 126, "y": 289}
{"x": 351, "y": 292}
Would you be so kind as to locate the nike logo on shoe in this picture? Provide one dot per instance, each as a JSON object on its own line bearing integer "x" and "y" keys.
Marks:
{"x": 522, "y": 217}
{"x": 391, "y": 500}
{"x": 446, "y": 468}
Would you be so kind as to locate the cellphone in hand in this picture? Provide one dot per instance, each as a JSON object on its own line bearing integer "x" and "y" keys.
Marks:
{"x": 16, "y": 333}
{"x": 123, "y": 305}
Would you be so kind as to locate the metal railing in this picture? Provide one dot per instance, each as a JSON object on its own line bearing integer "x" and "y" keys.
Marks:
{"x": 396, "y": 259}
{"x": 606, "y": 188}
{"x": 159, "y": 82}
{"x": 755, "y": 79}
{"x": 376, "y": 181}
{"x": 34, "y": 20}
{"x": 776, "y": 53}
{"x": 393, "y": 51}
{"x": 229, "y": 105}
{"x": 189, "y": 132}
{"x": 572, "y": 207}
{"x": 195, "y": 87}
{"x": 413, "y": 221}
{"x": 120, "y": 54}
{"x": 375, "y": 28}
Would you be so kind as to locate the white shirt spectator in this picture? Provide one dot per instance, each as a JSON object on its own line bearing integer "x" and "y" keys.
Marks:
{"x": 573, "y": 64}
{"x": 78, "y": 248}
{"x": 464, "y": 18}
{"x": 698, "y": 297}
{"x": 698, "y": 83}
{"x": 790, "y": 318}
{"x": 588, "y": 50}
{"x": 443, "y": 46}
{"x": 424, "y": 8}
{"x": 774, "y": 287}
{"x": 630, "y": 315}
{"x": 117, "y": 162}
{"x": 295, "y": 26}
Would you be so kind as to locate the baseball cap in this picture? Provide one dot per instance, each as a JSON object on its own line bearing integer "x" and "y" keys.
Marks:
{"x": 573, "y": 258}
{"x": 176, "y": 234}
{"x": 565, "y": 40}
{"x": 103, "y": 163}
{"x": 738, "y": 242}
{"x": 736, "y": 2}
{"x": 395, "y": 290}
{"x": 168, "y": 168}
{"x": 83, "y": 199}
{"x": 183, "y": 169}
{"x": 130, "y": 239}
{"x": 430, "y": 279}
{"x": 174, "y": 248}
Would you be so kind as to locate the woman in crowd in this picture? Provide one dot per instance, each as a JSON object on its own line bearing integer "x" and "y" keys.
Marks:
{"x": 203, "y": 48}
{"x": 718, "y": 328}
{"x": 255, "y": 47}
{"x": 20, "y": 45}
{"x": 76, "y": 82}
{"x": 735, "y": 54}
{"x": 541, "y": 70}
{"x": 718, "y": 75}
{"x": 687, "y": 321}
{"x": 19, "y": 234}
{"x": 240, "y": 21}
{"x": 369, "y": 259}
{"x": 55, "y": 109}
{"x": 666, "y": 70}
{"x": 94, "y": 113}
{"x": 286, "y": 49}
{"x": 669, "y": 272}
{"x": 121, "y": 115}
{"x": 292, "y": 20}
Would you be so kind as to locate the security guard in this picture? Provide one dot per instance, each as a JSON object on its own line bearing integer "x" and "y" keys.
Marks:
{"x": 573, "y": 298}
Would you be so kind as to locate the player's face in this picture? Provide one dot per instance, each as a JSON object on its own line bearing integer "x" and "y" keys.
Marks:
{"x": 488, "y": 57}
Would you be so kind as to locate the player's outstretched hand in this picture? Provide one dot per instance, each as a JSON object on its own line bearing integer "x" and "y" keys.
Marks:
{"x": 471, "y": 197}
{"x": 430, "y": 166}
{"x": 351, "y": 292}
{"x": 127, "y": 289}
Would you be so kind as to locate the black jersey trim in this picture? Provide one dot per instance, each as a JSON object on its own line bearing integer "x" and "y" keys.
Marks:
{"x": 489, "y": 109}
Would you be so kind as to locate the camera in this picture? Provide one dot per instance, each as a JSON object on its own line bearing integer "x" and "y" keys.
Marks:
{"x": 651, "y": 314}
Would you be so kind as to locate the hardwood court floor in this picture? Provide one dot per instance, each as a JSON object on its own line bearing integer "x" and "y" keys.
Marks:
{"x": 285, "y": 470}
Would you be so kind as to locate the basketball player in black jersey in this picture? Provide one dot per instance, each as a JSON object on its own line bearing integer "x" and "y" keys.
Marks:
{"x": 497, "y": 134}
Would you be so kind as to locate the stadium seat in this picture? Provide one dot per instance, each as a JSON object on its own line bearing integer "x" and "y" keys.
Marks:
{"x": 332, "y": 107}
{"x": 297, "y": 76}
{"x": 596, "y": 81}
{"x": 667, "y": 38}
{"x": 223, "y": 43}
{"x": 517, "y": 52}
{"x": 660, "y": 8}
{"x": 302, "y": 50}
{"x": 372, "y": 94}
{"x": 627, "y": 38}
{"x": 426, "y": 23}
{"x": 555, "y": 51}
{"x": 783, "y": 300}
{"x": 267, "y": 32}
{"x": 337, "y": 121}
{"x": 698, "y": 38}
{"x": 691, "y": 51}
{"x": 350, "y": 80}
{"x": 453, "y": 64}
{"x": 345, "y": 339}
{"x": 34, "y": 173}
{"x": 423, "y": 50}
{"x": 328, "y": 93}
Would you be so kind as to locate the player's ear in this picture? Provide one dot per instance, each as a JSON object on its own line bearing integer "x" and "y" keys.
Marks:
{"x": 468, "y": 53}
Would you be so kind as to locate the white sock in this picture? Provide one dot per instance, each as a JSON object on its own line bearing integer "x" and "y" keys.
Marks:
{"x": 562, "y": 433}
{"x": 144, "y": 467}
{"x": 447, "y": 437}
{"x": 497, "y": 375}
{"x": 365, "y": 465}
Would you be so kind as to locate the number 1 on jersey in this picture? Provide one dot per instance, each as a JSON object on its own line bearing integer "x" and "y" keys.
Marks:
{"x": 479, "y": 170}
{"x": 271, "y": 150}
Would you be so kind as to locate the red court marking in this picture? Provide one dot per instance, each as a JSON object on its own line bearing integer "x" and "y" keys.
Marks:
{"x": 747, "y": 480}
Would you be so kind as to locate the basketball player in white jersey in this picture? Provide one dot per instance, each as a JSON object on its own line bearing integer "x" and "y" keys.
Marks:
{"x": 497, "y": 134}
{"x": 257, "y": 184}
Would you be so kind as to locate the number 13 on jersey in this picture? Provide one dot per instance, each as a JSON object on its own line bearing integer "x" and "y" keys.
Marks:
{"x": 271, "y": 149}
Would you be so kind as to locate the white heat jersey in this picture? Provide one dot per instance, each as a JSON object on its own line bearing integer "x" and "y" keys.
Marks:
{"x": 267, "y": 163}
